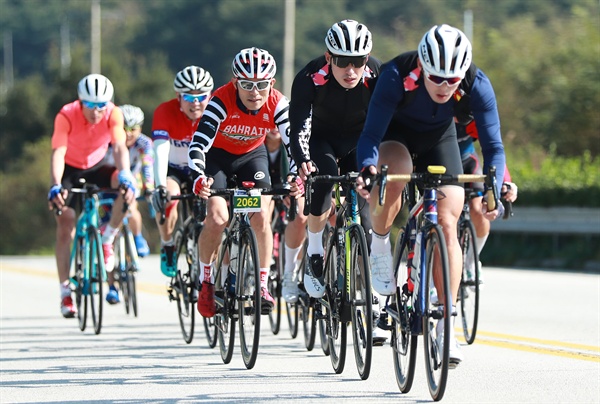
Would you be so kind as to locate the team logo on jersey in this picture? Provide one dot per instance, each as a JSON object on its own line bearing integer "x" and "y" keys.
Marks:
{"x": 266, "y": 117}
{"x": 259, "y": 175}
{"x": 235, "y": 115}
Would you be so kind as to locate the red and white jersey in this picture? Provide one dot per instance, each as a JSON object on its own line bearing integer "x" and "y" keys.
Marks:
{"x": 226, "y": 124}
{"x": 172, "y": 133}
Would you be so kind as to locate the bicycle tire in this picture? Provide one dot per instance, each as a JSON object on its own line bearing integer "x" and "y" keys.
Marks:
{"x": 337, "y": 335}
{"x": 468, "y": 294}
{"x": 79, "y": 282}
{"x": 226, "y": 315}
{"x": 131, "y": 270}
{"x": 183, "y": 288}
{"x": 403, "y": 342}
{"x": 309, "y": 325}
{"x": 323, "y": 336}
{"x": 210, "y": 329}
{"x": 436, "y": 360}
{"x": 121, "y": 271}
{"x": 96, "y": 278}
{"x": 249, "y": 296}
{"x": 361, "y": 301}
{"x": 293, "y": 315}
{"x": 275, "y": 277}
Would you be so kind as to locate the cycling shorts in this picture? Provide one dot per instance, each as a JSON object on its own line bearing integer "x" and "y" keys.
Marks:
{"x": 252, "y": 166}
{"x": 99, "y": 174}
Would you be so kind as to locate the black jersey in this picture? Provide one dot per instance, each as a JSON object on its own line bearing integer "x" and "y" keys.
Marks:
{"x": 321, "y": 107}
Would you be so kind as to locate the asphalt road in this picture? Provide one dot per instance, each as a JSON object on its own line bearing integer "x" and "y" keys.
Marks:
{"x": 539, "y": 342}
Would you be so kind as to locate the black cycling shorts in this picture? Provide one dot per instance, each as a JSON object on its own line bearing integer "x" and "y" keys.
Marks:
{"x": 252, "y": 166}
{"x": 100, "y": 175}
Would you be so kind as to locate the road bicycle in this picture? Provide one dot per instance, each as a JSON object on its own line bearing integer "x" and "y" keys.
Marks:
{"x": 348, "y": 296}
{"x": 418, "y": 305}
{"x": 468, "y": 294}
{"x": 237, "y": 280}
{"x": 87, "y": 269}
{"x": 183, "y": 287}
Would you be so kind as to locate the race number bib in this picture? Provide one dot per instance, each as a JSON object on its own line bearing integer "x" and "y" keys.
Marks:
{"x": 246, "y": 201}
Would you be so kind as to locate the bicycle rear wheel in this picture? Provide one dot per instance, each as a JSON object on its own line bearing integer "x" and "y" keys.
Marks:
{"x": 120, "y": 271}
{"x": 183, "y": 287}
{"x": 361, "y": 300}
{"x": 78, "y": 281}
{"x": 468, "y": 294}
{"x": 275, "y": 277}
{"x": 293, "y": 314}
{"x": 337, "y": 330}
{"x": 403, "y": 342}
{"x": 131, "y": 260}
{"x": 436, "y": 356}
{"x": 248, "y": 290}
{"x": 96, "y": 278}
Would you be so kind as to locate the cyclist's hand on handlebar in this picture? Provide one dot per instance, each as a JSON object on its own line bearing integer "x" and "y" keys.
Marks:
{"x": 159, "y": 199}
{"x": 492, "y": 214}
{"x": 296, "y": 186}
{"x": 56, "y": 197}
{"x": 365, "y": 181}
{"x": 509, "y": 191}
{"x": 127, "y": 183}
{"x": 202, "y": 186}
{"x": 306, "y": 169}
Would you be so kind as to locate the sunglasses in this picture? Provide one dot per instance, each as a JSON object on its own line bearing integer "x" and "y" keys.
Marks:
{"x": 131, "y": 128}
{"x": 194, "y": 97}
{"x": 249, "y": 85}
{"x": 344, "y": 61}
{"x": 438, "y": 81}
{"x": 94, "y": 105}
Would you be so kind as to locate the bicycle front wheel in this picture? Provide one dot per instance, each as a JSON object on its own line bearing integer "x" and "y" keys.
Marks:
{"x": 275, "y": 277}
{"x": 79, "y": 282}
{"x": 468, "y": 294}
{"x": 361, "y": 300}
{"x": 183, "y": 287}
{"x": 96, "y": 277}
{"x": 337, "y": 335}
{"x": 131, "y": 265}
{"x": 211, "y": 331}
{"x": 403, "y": 342}
{"x": 248, "y": 291}
{"x": 436, "y": 350}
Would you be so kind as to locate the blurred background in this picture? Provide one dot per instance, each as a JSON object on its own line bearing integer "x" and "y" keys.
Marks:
{"x": 543, "y": 58}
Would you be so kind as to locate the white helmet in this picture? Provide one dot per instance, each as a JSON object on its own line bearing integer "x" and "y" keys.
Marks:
{"x": 95, "y": 88}
{"x": 349, "y": 38}
{"x": 193, "y": 78}
{"x": 445, "y": 51}
{"x": 254, "y": 63}
{"x": 132, "y": 115}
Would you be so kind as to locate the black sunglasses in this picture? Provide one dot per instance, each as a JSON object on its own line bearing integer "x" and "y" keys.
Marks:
{"x": 344, "y": 61}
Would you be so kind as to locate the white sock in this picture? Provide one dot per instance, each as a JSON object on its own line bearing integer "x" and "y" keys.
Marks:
{"x": 264, "y": 277}
{"x": 291, "y": 256}
{"x": 380, "y": 243}
{"x": 108, "y": 236}
{"x": 315, "y": 243}
{"x": 65, "y": 290}
{"x": 206, "y": 272}
{"x": 481, "y": 242}
{"x": 169, "y": 242}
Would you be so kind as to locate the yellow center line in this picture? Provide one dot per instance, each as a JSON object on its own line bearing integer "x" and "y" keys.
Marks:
{"x": 515, "y": 342}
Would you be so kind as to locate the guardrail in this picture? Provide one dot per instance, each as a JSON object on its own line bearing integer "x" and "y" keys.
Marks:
{"x": 555, "y": 220}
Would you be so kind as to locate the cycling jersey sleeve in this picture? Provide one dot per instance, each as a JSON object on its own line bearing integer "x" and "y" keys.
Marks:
{"x": 282, "y": 122}
{"x": 146, "y": 151}
{"x": 303, "y": 94}
{"x": 487, "y": 120}
{"x": 62, "y": 127}
{"x": 388, "y": 93}
{"x": 204, "y": 137}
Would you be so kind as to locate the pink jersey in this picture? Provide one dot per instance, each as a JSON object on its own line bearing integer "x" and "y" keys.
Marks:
{"x": 86, "y": 143}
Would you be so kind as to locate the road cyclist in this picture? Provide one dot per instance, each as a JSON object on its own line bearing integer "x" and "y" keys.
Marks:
{"x": 173, "y": 126}
{"x": 229, "y": 142}
{"x": 410, "y": 125}
{"x": 83, "y": 131}
{"x": 329, "y": 102}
